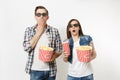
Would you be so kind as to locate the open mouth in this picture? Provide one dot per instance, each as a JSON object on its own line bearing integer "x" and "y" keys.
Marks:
{"x": 73, "y": 30}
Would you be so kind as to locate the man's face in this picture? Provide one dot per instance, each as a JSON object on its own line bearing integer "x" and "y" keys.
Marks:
{"x": 41, "y": 15}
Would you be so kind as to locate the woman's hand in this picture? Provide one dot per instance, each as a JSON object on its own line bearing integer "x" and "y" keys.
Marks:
{"x": 65, "y": 59}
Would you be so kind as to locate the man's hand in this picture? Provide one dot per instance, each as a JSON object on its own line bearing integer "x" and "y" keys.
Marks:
{"x": 41, "y": 26}
{"x": 55, "y": 55}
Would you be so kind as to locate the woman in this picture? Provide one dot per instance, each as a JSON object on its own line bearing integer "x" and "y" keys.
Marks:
{"x": 78, "y": 70}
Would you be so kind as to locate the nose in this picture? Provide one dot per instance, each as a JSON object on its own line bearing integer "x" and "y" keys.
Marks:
{"x": 40, "y": 17}
{"x": 73, "y": 26}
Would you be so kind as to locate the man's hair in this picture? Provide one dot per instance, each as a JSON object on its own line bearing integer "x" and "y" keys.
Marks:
{"x": 41, "y": 7}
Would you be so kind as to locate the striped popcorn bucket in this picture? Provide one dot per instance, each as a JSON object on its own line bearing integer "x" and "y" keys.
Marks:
{"x": 66, "y": 48}
{"x": 84, "y": 55}
{"x": 45, "y": 55}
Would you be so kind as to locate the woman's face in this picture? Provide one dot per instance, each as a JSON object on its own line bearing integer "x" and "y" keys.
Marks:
{"x": 74, "y": 28}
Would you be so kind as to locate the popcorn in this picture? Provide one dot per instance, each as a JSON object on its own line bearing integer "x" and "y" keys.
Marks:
{"x": 84, "y": 53}
{"x": 45, "y": 53}
{"x": 84, "y": 48}
{"x": 46, "y": 48}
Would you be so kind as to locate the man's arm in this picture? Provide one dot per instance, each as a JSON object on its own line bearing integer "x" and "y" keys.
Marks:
{"x": 55, "y": 55}
{"x": 58, "y": 49}
{"x": 26, "y": 42}
{"x": 34, "y": 40}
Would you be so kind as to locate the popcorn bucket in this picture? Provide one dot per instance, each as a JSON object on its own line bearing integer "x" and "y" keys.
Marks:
{"x": 84, "y": 53}
{"x": 45, "y": 53}
{"x": 66, "y": 48}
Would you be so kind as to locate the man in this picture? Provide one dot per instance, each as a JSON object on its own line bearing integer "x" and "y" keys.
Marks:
{"x": 38, "y": 35}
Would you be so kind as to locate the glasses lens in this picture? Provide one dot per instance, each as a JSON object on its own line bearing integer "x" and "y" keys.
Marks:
{"x": 38, "y": 14}
{"x": 74, "y": 25}
{"x": 44, "y": 14}
{"x": 41, "y": 14}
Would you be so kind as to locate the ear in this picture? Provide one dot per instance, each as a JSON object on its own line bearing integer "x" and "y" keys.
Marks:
{"x": 35, "y": 17}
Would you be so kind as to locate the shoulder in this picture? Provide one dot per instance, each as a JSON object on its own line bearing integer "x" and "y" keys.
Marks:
{"x": 87, "y": 37}
{"x": 30, "y": 28}
{"x": 52, "y": 28}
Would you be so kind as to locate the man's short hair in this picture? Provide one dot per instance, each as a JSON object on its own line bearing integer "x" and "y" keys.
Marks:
{"x": 41, "y": 7}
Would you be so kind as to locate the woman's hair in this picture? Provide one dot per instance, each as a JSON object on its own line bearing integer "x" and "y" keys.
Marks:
{"x": 68, "y": 26}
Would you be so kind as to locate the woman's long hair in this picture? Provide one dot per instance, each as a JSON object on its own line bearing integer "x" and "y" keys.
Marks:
{"x": 68, "y": 26}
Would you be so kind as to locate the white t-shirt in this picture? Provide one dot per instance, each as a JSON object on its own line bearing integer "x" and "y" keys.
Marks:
{"x": 77, "y": 68}
{"x": 37, "y": 63}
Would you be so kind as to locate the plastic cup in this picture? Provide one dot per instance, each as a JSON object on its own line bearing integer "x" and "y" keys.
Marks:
{"x": 45, "y": 53}
{"x": 84, "y": 53}
{"x": 66, "y": 48}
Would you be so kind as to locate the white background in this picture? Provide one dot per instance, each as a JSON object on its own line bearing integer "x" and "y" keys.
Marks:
{"x": 99, "y": 18}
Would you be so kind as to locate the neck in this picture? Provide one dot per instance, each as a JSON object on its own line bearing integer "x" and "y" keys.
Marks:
{"x": 75, "y": 38}
{"x": 44, "y": 26}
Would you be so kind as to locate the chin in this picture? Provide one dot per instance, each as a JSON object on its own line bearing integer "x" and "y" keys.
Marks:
{"x": 74, "y": 34}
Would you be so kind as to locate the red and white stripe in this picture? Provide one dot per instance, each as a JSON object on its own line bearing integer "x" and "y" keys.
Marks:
{"x": 45, "y": 55}
{"x": 84, "y": 55}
